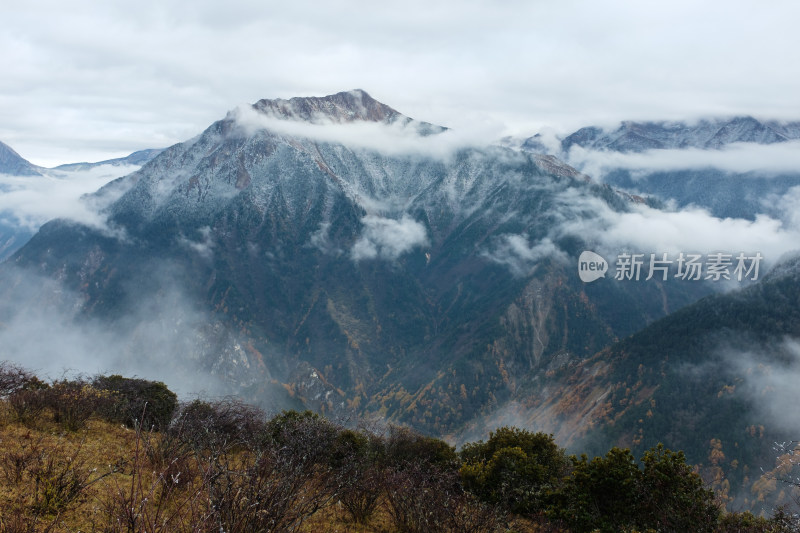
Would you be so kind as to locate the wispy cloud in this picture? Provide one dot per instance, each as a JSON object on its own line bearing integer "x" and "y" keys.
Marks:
{"x": 515, "y": 252}
{"x": 770, "y": 375}
{"x": 386, "y": 238}
{"x": 764, "y": 160}
{"x": 204, "y": 247}
{"x": 161, "y": 334}
{"x": 321, "y": 240}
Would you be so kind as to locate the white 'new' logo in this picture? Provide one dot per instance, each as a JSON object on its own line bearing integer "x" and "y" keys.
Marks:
{"x": 591, "y": 266}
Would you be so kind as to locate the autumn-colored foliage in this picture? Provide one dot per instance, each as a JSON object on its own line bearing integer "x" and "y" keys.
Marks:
{"x": 223, "y": 465}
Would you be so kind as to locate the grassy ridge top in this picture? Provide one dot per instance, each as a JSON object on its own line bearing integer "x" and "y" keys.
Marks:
{"x": 115, "y": 454}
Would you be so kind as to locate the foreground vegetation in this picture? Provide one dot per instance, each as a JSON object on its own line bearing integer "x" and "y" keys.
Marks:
{"x": 113, "y": 454}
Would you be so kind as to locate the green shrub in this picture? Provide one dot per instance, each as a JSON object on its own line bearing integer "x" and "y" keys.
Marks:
{"x": 612, "y": 494}
{"x": 600, "y": 494}
{"x": 514, "y": 468}
{"x": 404, "y": 446}
{"x": 673, "y": 497}
{"x": 138, "y": 401}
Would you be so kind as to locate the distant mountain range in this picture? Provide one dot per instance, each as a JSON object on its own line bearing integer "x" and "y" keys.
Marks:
{"x": 139, "y": 157}
{"x": 12, "y": 164}
{"x": 13, "y": 234}
{"x": 343, "y": 257}
{"x": 725, "y": 192}
{"x": 632, "y": 136}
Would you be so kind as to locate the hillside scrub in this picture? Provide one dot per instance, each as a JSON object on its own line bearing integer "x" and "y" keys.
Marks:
{"x": 83, "y": 459}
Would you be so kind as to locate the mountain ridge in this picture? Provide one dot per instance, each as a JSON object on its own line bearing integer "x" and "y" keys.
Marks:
{"x": 398, "y": 278}
{"x": 706, "y": 178}
{"x": 14, "y": 164}
{"x": 139, "y": 157}
{"x": 716, "y": 133}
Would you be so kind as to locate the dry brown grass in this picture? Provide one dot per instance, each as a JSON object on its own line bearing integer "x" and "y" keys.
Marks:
{"x": 216, "y": 466}
{"x": 109, "y": 478}
{"x": 50, "y": 478}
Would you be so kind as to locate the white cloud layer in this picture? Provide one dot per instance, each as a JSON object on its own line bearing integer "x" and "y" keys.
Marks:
{"x": 739, "y": 157}
{"x": 647, "y": 230}
{"x": 90, "y": 80}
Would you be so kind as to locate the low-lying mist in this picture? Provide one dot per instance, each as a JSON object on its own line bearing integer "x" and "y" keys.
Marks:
{"x": 162, "y": 334}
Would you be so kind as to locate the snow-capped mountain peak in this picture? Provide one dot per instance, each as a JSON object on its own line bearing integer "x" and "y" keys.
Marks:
{"x": 343, "y": 107}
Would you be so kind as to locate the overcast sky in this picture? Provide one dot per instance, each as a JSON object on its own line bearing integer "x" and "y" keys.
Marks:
{"x": 89, "y": 80}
